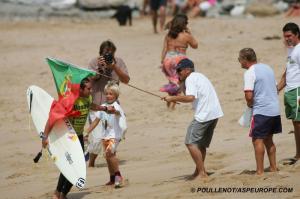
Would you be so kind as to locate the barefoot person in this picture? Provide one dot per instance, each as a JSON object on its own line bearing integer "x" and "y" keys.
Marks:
{"x": 202, "y": 94}
{"x": 291, "y": 81}
{"x": 176, "y": 42}
{"x": 158, "y": 5}
{"x": 261, "y": 95}
{"x": 82, "y": 104}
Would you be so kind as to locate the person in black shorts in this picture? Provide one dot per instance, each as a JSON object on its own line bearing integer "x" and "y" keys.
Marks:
{"x": 82, "y": 104}
{"x": 160, "y": 5}
{"x": 261, "y": 95}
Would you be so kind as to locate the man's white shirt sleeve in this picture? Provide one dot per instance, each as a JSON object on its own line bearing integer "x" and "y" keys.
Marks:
{"x": 191, "y": 87}
{"x": 249, "y": 79}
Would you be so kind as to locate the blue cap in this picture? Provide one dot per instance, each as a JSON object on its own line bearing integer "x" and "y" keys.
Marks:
{"x": 185, "y": 63}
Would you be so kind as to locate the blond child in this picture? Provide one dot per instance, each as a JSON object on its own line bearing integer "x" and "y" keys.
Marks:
{"x": 112, "y": 122}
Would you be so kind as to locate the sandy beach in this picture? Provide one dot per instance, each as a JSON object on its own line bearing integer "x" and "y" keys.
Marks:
{"x": 154, "y": 159}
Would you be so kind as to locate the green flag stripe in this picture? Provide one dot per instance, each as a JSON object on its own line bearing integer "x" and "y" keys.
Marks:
{"x": 64, "y": 73}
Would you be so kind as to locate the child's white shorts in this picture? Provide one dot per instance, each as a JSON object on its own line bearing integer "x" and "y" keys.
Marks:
{"x": 94, "y": 147}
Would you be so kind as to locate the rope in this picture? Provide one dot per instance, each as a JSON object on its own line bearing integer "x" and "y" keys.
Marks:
{"x": 148, "y": 92}
{"x": 139, "y": 89}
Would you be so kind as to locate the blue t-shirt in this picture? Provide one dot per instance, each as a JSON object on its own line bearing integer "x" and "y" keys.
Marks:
{"x": 260, "y": 79}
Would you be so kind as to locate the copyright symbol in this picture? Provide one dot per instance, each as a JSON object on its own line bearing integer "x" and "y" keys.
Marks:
{"x": 193, "y": 190}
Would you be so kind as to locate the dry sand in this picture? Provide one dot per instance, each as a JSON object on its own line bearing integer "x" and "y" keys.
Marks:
{"x": 153, "y": 157}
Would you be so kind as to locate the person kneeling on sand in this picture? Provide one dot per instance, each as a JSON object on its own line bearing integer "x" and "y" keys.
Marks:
{"x": 113, "y": 124}
{"x": 261, "y": 94}
{"x": 202, "y": 94}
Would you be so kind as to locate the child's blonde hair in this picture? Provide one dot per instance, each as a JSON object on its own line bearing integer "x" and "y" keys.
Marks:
{"x": 114, "y": 87}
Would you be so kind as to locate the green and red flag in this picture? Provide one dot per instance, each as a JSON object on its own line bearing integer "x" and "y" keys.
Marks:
{"x": 67, "y": 78}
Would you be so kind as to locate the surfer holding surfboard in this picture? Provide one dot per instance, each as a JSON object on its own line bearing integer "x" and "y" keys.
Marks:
{"x": 82, "y": 104}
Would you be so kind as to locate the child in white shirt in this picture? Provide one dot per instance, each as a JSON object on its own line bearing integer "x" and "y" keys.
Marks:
{"x": 113, "y": 125}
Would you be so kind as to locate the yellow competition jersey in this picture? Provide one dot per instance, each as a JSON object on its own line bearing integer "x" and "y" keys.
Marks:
{"x": 83, "y": 105}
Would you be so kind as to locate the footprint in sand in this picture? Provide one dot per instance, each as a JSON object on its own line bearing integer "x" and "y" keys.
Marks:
{"x": 218, "y": 156}
{"x": 158, "y": 184}
{"x": 229, "y": 139}
{"x": 288, "y": 161}
{"x": 297, "y": 165}
{"x": 215, "y": 161}
{"x": 248, "y": 172}
{"x": 175, "y": 145}
{"x": 215, "y": 166}
{"x": 16, "y": 175}
{"x": 227, "y": 173}
{"x": 202, "y": 180}
{"x": 283, "y": 174}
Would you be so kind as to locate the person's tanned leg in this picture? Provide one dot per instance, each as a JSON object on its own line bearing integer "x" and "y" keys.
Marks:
{"x": 56, "y": 195}
{"x": 297, "y": 138}
{"x": 154, "y": 20}
{"x": 62, "y": 196}
{"x": 259, "y": 150}
{"x": 115, "y": 163}
{"x": 162, "y": 17}
{"x": 110, "y": 166}
{"x": 92, "y": 160}
{"x": 198, "y": 159}
{"x": 271, "y": 151}
{"x": 203, "y": 153}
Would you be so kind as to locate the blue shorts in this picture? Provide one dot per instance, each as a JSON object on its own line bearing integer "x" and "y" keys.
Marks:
{"x": 262, "y": 126}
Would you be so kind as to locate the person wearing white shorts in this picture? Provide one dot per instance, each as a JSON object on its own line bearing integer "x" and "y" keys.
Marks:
{"x": 94, "y": 139}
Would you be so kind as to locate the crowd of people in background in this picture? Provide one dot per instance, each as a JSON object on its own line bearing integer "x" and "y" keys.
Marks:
{"x": 191, "y": 8}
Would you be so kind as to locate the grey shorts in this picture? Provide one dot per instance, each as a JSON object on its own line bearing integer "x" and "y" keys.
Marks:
{"x": 200, "y": 133}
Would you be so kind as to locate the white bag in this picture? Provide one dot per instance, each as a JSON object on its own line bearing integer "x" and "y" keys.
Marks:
{"x": 245, "y": 119}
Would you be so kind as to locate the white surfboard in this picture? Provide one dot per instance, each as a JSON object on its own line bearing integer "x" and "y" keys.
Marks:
{"x": 64, "y": 146}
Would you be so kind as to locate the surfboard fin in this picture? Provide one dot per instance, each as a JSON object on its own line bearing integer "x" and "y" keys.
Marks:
{"x": 31, "y": 95}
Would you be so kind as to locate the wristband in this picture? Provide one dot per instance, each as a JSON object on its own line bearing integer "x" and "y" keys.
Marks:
{"x": 43, "y": 136}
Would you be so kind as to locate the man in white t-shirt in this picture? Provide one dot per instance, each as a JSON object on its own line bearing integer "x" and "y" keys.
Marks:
{"x": 199, "y": 91}
{"x": 291, "y": 81}
{"x": 261, "y": 95}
